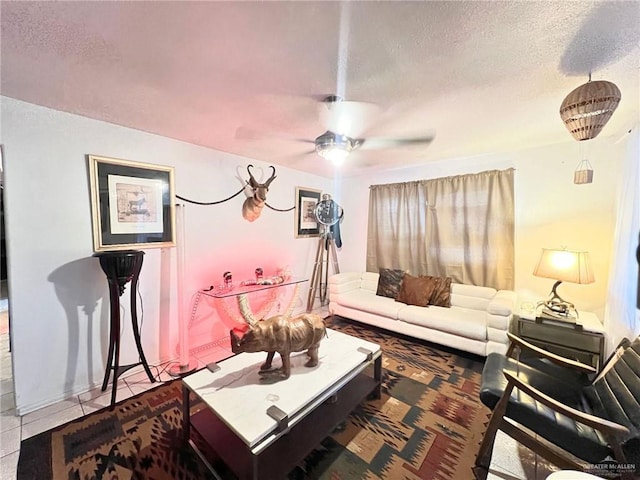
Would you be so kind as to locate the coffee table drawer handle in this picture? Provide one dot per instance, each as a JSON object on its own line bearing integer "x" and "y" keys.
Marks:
{"x": 367, "y": 352}
{"x": 279, "y": 416}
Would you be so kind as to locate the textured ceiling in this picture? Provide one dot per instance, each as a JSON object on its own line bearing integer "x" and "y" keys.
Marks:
{"x": 485, "y": 77}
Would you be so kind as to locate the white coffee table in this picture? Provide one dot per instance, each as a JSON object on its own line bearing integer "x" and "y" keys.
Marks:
{"x": 261, "y": 429}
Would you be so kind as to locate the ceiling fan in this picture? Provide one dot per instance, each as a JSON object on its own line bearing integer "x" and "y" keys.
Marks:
{"x": 344, "y": 121}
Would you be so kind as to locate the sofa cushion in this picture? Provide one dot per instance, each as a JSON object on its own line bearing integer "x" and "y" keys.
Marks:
{"x": 458, "y": 321}
{"x": 368, "y": 301}
{"x": 389, "y": 282}
{"x": 441, "y": 295}
{"x": 471, "y": 296}
{"x": 415, "y": 290}
{"x": 498, "y": 321}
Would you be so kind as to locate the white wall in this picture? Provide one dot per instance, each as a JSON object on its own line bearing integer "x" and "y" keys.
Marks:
{"x": 551, "y": 211}
{"x": 58, "y": 294}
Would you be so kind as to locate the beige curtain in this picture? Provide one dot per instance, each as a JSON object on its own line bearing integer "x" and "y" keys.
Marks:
{"x": 461, "y": 227}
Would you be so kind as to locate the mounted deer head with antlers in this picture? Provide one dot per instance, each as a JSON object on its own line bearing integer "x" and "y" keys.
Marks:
{"x": 252, "y": 206}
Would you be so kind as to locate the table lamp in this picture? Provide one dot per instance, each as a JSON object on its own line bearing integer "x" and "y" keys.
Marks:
{"x": 563, "y": 266}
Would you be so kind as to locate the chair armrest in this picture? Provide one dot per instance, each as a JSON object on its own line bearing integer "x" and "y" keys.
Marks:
{"x": 598, "y": 423}
{"x": 541, "y": 352}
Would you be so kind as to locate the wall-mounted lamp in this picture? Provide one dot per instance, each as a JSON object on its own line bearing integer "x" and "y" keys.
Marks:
{"x": 563, "y": 266}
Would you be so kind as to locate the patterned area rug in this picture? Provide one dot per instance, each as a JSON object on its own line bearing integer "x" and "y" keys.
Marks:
{"x": 139, "y": 439}
{"x": 427, "y": 425}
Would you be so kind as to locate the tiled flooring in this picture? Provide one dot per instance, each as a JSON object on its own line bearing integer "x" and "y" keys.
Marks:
{"x": 13, "y": 428}
{"x": 511, "y": 461}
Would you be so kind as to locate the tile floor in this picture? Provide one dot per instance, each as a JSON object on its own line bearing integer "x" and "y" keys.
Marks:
{"x": 13, "y": 428}
{"x": 511, "y": 461}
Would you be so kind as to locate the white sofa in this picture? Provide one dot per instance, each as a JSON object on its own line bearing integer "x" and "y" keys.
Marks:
{"x": 477, "y": 321}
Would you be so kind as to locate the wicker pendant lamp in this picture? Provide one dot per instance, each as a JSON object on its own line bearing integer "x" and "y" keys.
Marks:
{"x": 588, "y": 108}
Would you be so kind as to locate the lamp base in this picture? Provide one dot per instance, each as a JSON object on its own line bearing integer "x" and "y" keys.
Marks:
{"x": 557, "y": 306}
{"x": 548, "y": 313}
{"x": 181, "y": 370}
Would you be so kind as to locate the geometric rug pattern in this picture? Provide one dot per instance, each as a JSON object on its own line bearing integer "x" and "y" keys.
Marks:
{"x": 139, "y": 439}
{"x": 428, "y": 424}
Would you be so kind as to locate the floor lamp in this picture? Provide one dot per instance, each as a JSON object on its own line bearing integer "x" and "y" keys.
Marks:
{"x": 185, "y": 364}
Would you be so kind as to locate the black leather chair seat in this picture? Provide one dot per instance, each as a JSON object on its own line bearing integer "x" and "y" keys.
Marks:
{"x": 553, "y": 380}
{"x": 545, "y": 422}
{"x": 613, "y": 395}
{"x": 581, "y": 440}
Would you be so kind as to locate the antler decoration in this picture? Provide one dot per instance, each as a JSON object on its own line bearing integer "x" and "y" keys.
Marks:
{"x": 252, "y": 206}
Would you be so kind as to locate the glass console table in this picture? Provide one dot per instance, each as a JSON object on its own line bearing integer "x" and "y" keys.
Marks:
{"x": 233, "y": 307}
{"x": 241, "y": 292}
{"x": 222, "y": 291}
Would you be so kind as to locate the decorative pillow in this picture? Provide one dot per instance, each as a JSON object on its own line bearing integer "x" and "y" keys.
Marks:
{"x": 389, "y": 282}
{"x": 441, "y": 295}
{"x": 415, "y": 290}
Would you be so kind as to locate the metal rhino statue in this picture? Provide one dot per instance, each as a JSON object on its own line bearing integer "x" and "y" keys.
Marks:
{"x": 284, "y": 335}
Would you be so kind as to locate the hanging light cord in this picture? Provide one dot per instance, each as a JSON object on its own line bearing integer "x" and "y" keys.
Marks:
{"x": 280, "y": 209}
{"x": 211, "y": 203}
{"x": 229, "y": 198}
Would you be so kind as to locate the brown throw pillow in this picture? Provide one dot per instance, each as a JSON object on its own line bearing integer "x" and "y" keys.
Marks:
{"x": 441, "y": 295}
{"x": 389, "y": 282}
{"x": 415, "y": 290}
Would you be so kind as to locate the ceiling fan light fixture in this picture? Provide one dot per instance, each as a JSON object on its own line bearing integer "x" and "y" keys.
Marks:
{"x": 334, "y": 147}
{"x": 335, "y": 155}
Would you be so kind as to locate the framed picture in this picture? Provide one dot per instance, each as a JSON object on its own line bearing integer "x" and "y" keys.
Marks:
{"x": 132, "y": 204}
{"x": 306, "y": 201}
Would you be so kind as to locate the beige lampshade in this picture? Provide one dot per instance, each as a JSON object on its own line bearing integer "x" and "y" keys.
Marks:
{"x": 588, "y": 108}
{"x": 564, "y": 265}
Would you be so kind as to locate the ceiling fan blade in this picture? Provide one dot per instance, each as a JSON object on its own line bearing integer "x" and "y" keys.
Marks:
{"x": 295, "y": 160}
{"x": 294, "y": 156}
{"x": 347, "y": 118}
{"x": 245, "y": 133}
{"x": 379, "y": 143}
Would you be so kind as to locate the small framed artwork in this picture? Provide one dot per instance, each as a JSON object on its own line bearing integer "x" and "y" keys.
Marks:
{"x": 306, "y": 223}
{"x": 132, "y": 204}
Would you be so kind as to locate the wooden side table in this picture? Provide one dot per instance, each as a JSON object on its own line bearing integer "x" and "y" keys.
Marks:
{"x": 582, "y": 341}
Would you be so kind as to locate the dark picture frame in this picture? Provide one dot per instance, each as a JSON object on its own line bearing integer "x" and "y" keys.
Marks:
{"x": 306, "y": 224}
{"x": 132, "y": 204}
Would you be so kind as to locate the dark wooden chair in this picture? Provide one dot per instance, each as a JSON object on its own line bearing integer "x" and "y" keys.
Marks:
{"x": 564, "y": 412}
